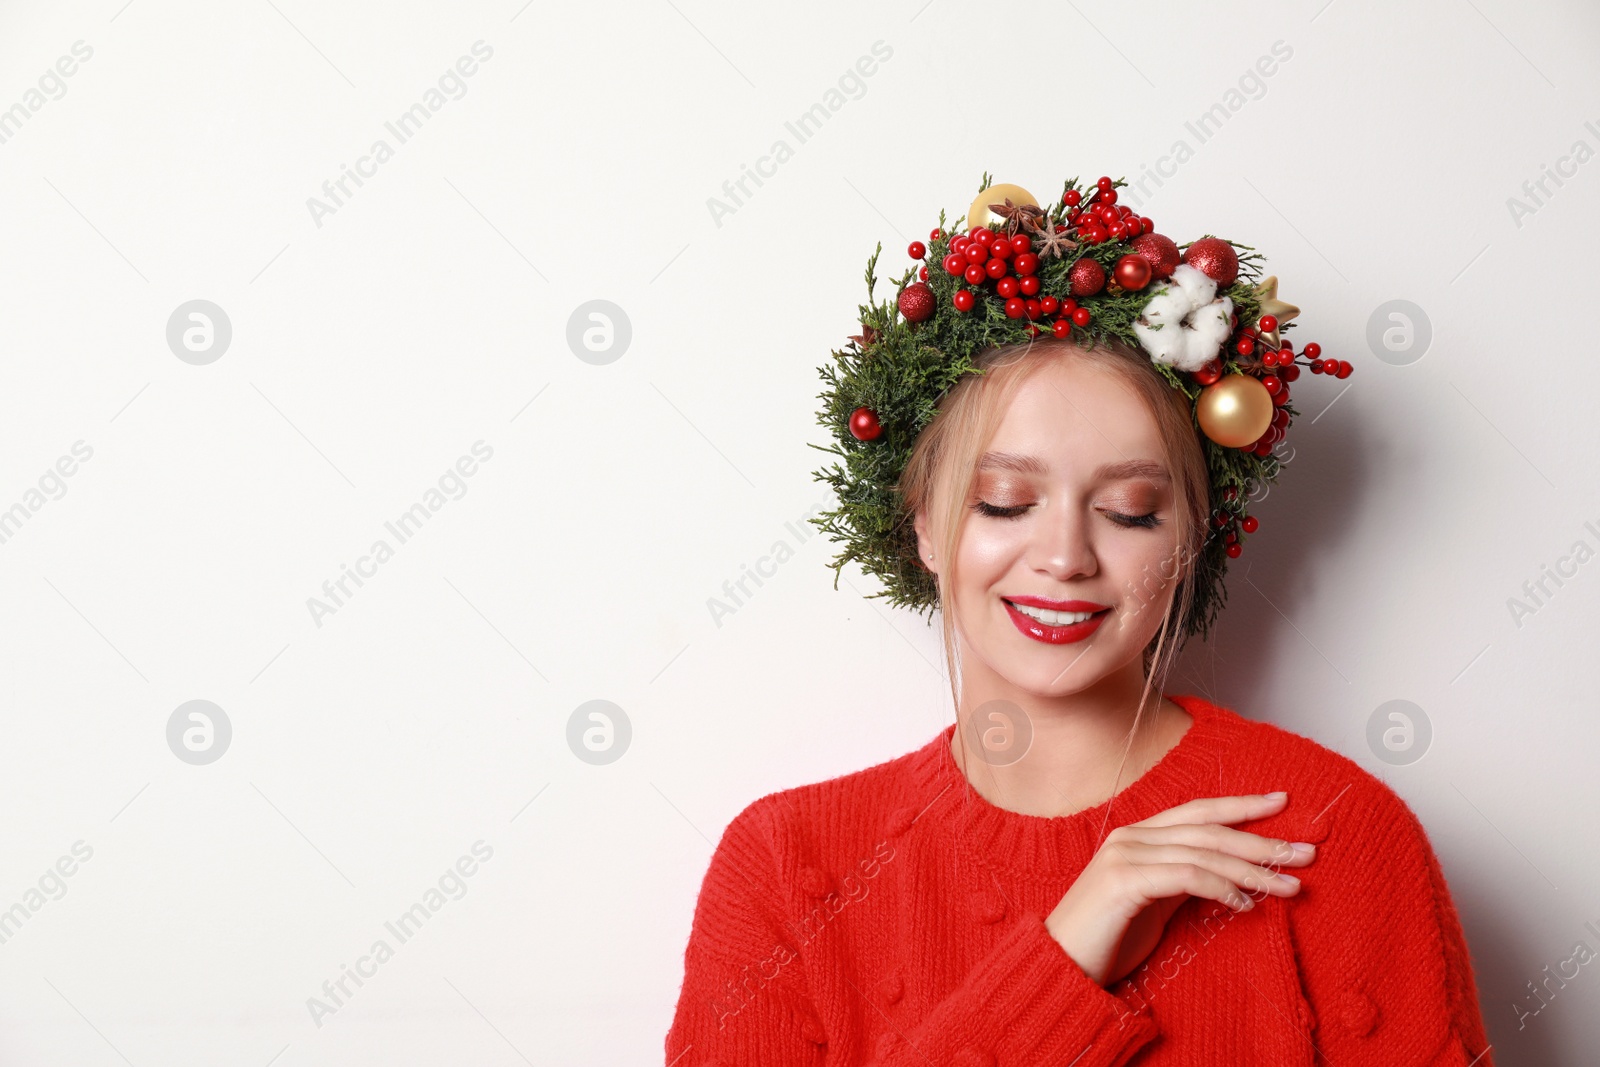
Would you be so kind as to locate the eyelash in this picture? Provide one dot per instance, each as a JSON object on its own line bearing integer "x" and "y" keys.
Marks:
{"x": 1148, "y": 521}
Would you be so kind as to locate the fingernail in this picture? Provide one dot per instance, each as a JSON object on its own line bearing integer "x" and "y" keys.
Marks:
{"x": 1304, "y": 847}
{"x": 1291, "y": 879}
{"x": 1275, "y": 796}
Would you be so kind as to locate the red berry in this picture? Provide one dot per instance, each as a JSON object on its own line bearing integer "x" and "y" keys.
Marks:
{"x": 1268, "y": 323}
{"x": 1345, "y": 369}
{"x": 1145, "y": 225}
{"x": 1269, "y": 359}
{"x": 975, "y": 252}
{"x": 1049, "y": 304}
{"x": 1108, "y": 196}
{"x": 1249, "y": 524}
{"x": 1071, "y": 197}
{"x": 1032, "y": 308}
{"x": 962, "y": 300}
{"x": 1021, "y": 244}
{"x": 1289, "y": 373}
{"x": 1273, "y": 383}
{"x": 1103, "y": 184}
{"x": 1234, "y": 549}
{"x": 1015, "y": 308}
{"x": 1061, "y": 327}
{"x": 1316, "y": 366}
{"x": 1006, "y": 287}
{"x": 864, "y": 425}
{"x": 916, "y": 250}
{"x": 974, "y": 274}
{"x": 1025, "y": 263}
{"x": 1209, "y": 374}
{"x": 1313, "y": 350}
{"x": 983, "y": 235}
{"x": 955, "y": 265}
{"x": 1245, "y": 346}
{"x": 1033, "y": 331}
{"x": 1000, "y": 248}
{"x": 1028, "y": 284}
{"x": 1081, "y": 316}
{"x": 922, "y": 272}
{"x": 959, "y": 241}
{"x": 1068, "y": 306}
{"x": 935, "y": 233}
{"x": 995, "y": 267}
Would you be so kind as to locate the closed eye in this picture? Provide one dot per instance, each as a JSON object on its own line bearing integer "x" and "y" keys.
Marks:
{"x": 1147, "y": 521}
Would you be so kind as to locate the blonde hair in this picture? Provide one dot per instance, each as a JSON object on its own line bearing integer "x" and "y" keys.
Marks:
{"x": 943, "y": 466}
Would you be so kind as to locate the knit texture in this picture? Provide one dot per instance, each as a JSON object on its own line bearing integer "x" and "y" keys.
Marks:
{"x": 894, "y": 917}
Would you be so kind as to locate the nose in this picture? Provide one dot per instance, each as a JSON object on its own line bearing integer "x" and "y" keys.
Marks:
{"x": 1062, "y": 547}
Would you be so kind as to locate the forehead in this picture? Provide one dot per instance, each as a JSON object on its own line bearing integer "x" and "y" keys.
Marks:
{"x": 1078, "y": 415}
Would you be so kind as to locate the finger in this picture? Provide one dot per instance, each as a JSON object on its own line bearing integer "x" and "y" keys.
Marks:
{"x": 1267, "y": 851}
{"x": 1248, "y": 876}
{"x": 1157, "y": 881}
{"x": 1218, "y": 810}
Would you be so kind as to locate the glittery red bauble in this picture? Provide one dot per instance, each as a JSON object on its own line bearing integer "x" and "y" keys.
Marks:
{"x": 864, "y": 425}
{"x": 1215, "y": 258}
{"x": 916, "y": 302}
{"x": 1086, "y": 277}
{"x": 1161, "y": 252}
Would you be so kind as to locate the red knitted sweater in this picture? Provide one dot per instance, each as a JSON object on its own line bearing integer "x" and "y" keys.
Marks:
{"x": 894, "y": 917}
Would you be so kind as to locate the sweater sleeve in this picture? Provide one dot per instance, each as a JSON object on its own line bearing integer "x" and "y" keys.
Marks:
{"x": 746, "y": 1000}
{"x": 1382, "y": 957}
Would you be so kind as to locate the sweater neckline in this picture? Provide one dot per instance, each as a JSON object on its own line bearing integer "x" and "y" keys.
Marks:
{"x": 1050, "y": 845}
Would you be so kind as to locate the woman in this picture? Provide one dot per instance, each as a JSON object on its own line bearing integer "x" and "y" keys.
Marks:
{"x": 1081, "y": 869}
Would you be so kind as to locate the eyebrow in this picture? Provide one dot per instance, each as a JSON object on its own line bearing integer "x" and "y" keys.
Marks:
{"x": 1110, "y": 472}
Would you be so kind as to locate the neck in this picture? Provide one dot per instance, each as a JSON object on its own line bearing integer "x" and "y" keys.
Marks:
{"x": 1078, "y": 755}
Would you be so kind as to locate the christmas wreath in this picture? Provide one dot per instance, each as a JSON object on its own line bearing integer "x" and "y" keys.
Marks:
{"x": 1086, "y": 268}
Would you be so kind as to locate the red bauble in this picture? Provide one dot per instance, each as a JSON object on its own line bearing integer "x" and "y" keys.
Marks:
{"x": 864, "y": 425}
{"x": 1215, "y": 258}
{"x": 916, "y": 302}
{"x": 1159, "y": 251}
{"x": 1086, "y": 277}
{"x": 1132, "y": 272}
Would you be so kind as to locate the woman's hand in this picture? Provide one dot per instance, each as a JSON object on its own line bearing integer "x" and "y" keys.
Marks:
{"x": 1118, "y": 908}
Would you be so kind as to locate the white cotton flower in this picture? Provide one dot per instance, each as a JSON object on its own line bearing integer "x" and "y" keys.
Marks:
{"x": 1185, "y": 323}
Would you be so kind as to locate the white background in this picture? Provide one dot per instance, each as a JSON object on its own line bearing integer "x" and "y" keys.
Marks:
{"x": 430, "y": 311}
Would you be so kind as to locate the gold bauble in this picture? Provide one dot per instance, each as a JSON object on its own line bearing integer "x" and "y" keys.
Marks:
{"x": 1235, "y": 412}
{"x": 980, "y": 215}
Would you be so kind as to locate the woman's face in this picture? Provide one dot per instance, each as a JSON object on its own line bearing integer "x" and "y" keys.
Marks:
{"x": 1066, "y": 564}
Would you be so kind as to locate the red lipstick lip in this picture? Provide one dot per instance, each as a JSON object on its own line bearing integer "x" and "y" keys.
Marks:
{"x": 1056, "y": 605}
{"x": 1055, "y": 635}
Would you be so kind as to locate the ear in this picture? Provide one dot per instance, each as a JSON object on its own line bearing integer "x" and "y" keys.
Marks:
{"x": 925, "y": 546}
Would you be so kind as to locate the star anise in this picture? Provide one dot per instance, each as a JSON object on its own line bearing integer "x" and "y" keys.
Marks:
{"x": 1053, "y": 242}
{"x": 865, "y": 337}
{"x": 1017, "y": 215}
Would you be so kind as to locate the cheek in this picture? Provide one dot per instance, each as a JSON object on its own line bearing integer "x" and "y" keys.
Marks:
{"x": 988, "y": 550}
{"x": 1150, "y": 562}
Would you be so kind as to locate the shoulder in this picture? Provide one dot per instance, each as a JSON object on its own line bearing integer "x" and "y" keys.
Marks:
{"x": 1328, "y": 790}
{"x": 838, "y": 822}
